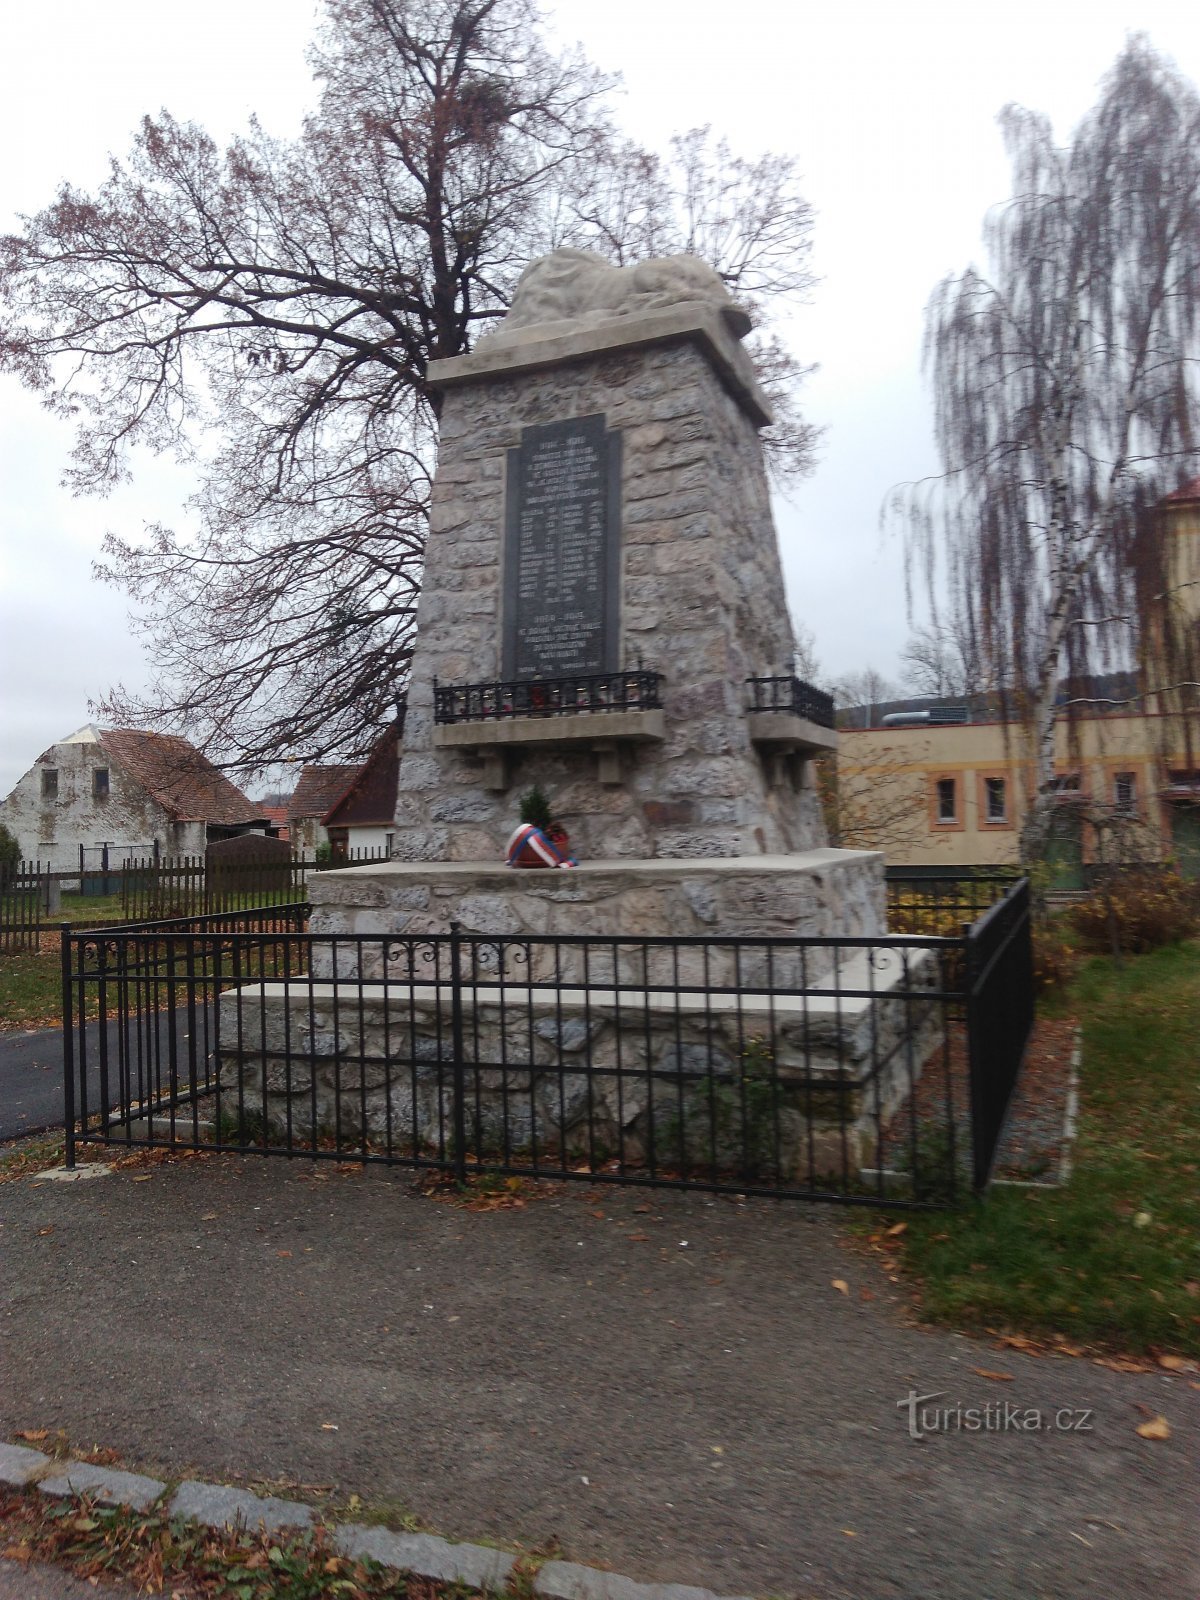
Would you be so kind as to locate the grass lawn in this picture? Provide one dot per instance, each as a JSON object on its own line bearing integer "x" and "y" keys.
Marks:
{"x": 1114, "y": 1257}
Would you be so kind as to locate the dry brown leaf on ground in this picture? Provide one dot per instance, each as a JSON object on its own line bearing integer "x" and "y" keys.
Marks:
{"x": 996, "y": 1377}
{"x": 1178, "y": 1364}
{"x": 841, "y": 1285}
{"x": 1158, "y": 1428}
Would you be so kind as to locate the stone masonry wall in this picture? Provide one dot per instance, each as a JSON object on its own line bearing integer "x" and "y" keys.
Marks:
{"x": 702, "y": 602}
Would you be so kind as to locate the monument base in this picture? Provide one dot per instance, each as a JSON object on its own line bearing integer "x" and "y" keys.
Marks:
{"x": 813, "y": 894}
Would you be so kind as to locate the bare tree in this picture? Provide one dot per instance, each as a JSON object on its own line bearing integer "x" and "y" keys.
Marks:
{"x": 270, "y": 312}
{"x": 940, "y": 661}
{"x": 859, "y": 694}
{"x": 1066, "y": 399}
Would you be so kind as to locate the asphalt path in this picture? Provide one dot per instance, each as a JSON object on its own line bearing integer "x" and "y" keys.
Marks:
{"x": 687, "y": 1389}
{"x": 31, "y": 1072}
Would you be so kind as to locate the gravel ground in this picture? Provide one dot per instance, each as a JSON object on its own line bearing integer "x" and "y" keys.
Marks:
{"x": 667, "y": 1384}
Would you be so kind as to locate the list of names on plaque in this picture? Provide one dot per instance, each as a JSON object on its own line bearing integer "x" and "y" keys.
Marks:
{"x": 560, "y": 571}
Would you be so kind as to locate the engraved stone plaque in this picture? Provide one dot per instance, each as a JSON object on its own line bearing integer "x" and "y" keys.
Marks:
{"x": 562, "y": 565}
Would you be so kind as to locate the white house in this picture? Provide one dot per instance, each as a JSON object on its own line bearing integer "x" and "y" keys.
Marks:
{"x": 129, "y": 793}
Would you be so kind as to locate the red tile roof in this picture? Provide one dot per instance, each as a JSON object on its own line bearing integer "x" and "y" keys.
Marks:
{"x": 370, "y": 797}
{"x": 1189, "y": 491}
{"x": 183, "y": 781}
{"x": 318, "y": 788}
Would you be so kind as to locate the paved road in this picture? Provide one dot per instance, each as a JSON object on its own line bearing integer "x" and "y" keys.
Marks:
{"x": 664, "y": 1383}
{"x": 31, "y": 1073}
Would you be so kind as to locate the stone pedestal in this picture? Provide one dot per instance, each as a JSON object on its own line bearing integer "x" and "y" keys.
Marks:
{"x": 792, "y": 897}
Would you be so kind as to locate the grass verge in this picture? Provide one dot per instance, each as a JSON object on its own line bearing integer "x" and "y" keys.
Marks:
{"x": 1112, "y": 1258}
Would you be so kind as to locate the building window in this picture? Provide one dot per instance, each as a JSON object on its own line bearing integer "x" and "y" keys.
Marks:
{"x": 100, "y": 783}
{"x": 1067, "y": 787}
{"x": 995, "y": 800}
{"x": 1125, "y": 790}
{"x": 947, "y": 800}
{"x": 49, "y": 783}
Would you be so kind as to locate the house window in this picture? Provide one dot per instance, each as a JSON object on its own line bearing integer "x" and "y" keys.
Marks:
{"x": 995, "y": 800}
{"x": 100, "y": 783}
{"x": 947, "y": 800}
{"x": 49, "y": 783}
{"x": 1125, "y": 790}
{"x": 1067, "y": 786}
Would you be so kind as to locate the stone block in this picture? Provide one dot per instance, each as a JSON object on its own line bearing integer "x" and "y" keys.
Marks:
{"x": 216, "y": 1505}
{"x": 427, "y": 1556}
{"x": 19, "y": 1466}
{"x": 106, "y": 1485}
{"x": 567, "y": 1580}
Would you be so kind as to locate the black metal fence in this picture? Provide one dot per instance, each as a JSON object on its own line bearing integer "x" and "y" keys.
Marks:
{"x": 547, "y": 697}
{"x": 190, "y": 886}
{"x": 938, "y": 903}
{"x": 794, "y": 696}
{"x": 23, "y": 893}
{"x": 870, "y": 1070}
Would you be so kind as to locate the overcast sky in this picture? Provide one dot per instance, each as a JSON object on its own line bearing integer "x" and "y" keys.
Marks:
{"x": 889, "y": 108}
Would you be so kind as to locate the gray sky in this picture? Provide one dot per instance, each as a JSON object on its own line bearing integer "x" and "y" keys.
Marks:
{"x": 890, "y": 109}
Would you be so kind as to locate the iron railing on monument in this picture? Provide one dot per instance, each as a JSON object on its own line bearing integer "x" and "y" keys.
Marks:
{"x": 792, "y": 695}
{"x": 862, "y": 1070}
{"x": 547, "y": 697}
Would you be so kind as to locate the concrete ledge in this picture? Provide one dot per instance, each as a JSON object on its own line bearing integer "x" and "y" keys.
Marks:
{"x": 557, "y": 344}
{"x": 845, "y": 994}
{"x": 106, "y": 1485}
{"x": 592, "y": 727}
{"x": 782, "y": 729}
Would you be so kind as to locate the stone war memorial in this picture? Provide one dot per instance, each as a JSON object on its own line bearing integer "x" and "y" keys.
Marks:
{"x": 602, "y": 589}
{"x": 603, "y": 619}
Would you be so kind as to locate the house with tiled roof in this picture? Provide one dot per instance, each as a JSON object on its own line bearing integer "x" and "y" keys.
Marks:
{"x": 361, "y": 821}
{"x": 317, "y": 788}
{"x": 126, "y": 792}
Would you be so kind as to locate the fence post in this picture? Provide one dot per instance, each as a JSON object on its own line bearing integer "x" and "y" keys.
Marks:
{"x": 68, "y": 1045}
{"x": 979, "y": 1164}
{"x": 456, "y": 1046}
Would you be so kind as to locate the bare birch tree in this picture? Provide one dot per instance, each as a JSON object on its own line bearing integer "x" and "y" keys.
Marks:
{"x": 269, "y": 311}
{"x": 1066, "y": 398}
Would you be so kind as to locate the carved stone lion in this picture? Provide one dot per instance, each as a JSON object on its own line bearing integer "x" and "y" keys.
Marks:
{"x": 579, "y": 287}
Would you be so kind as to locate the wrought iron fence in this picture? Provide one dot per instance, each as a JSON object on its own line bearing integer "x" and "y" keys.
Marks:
{"x": 863, "y": 1070}
{"x": 547, "y": 697}
{"x": 188, "y": 886}
{"x": 794, "y": 696}
{"x": 940, "y": 903}
{"x": 23, "y": 895}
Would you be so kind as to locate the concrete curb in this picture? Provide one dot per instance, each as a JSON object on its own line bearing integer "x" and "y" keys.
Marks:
{"x": 425, "y": 1555}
